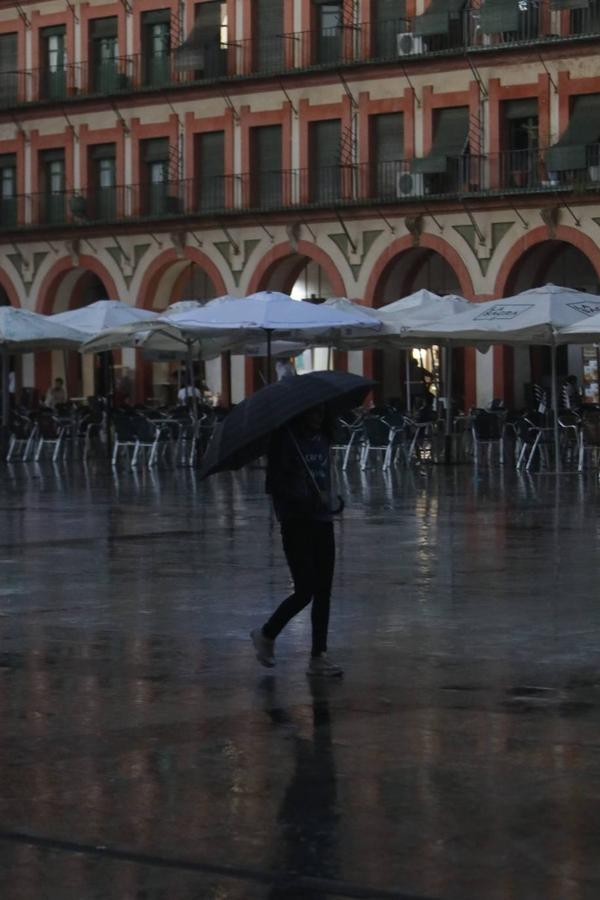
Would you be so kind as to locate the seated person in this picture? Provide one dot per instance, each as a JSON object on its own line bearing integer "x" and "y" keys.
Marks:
{"x": 56, "y": 395}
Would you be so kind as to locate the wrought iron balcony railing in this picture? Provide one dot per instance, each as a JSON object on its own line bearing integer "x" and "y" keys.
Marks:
{"x": 393, "y": 183}
{"x": 473, "y": 29}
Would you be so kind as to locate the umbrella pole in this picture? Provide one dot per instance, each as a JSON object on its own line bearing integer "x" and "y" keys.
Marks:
{"x": 407, "y": 378}
{"x": 5, "y": 402}
{"x": 448, "y": 429}
{"x": 108, "y": 388}
{"x": 555, "y": 407}
{"x": 190, "y": 379}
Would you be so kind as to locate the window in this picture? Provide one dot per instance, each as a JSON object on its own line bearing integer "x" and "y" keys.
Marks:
{"x": 104, "y": 181}
{"x": 329, "y": 32}
{"x": 585, "y": 16}
{"x": 325, "y": 179}
{"x": 447, "y": 167}
{"x": 519, "y": 142}
{"x": 211, "y": 168}
{"x": 388, "y": 22}
{"x": 53, "y": 204}
{"x": 268, "y": 32}
{"x": 158, "y": 198}
{"x": 578, "y": 148}
{"x": 8, "y": 69}
{"x": 266, "y": 166}
{"x": 8, "y": 190}
{"x": 387, "y": 142}
{"x": 156, "y": 42}
{"x": 104, "y": 53}
{"x": 53, "y": 85}
{"x": 211, "y": 40}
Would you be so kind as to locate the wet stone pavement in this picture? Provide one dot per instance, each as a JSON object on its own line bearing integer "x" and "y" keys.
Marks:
{"x": 145, "y": 755}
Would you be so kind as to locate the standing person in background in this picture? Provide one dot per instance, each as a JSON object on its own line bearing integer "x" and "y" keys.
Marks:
{"x": 284, "y": 368}
{"x": 299, "y": 481}
{"x": 56, "y": 394}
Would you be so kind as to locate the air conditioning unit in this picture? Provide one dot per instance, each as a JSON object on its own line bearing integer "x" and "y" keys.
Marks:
{"x": 410, "y": 185}
{"x": 594, "y": 173}
{"x": 409, "y": 44}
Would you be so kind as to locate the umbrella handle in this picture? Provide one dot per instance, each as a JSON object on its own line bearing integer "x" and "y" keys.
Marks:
{"x": 339, "y": 508}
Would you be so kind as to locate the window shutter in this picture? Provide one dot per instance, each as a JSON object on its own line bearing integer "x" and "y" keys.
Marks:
{"x": 388, "y": 137}
{"x": 8, "y": 53}
{"x": 499, "y": 15}
{"x": 104, "y": 28}
{"x": 269, "y": 18}
{"x": 55, "y": 31}
{"x": 326, "y": 140}
{"x": 389, "y": 10}
{"x": 267, "y": 148}
{"x": 103, "y": 151}
{"x": 520, "y": 109}
{"x": 49, "y": 156}
{"x": 583, "y": 129}
{"x": 156, "y": 17}
{"x": 212, "y": 154}
{"x": 436, "y": 20}
{"x": 450, "y": 140}
{"x": 156, "y": 150}
{"x": 569, "y": 4}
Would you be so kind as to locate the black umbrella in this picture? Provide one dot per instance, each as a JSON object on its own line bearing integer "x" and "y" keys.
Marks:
{"x": 244, "y": 434}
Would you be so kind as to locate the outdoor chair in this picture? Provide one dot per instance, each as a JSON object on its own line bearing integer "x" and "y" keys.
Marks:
{"x": 125, "y": 436}
{"x": 346, "y": 437}
{"x": 50, "y": 431}
{"x": 570, "y": 429}
{"x": 486, "y": 431}
{"x": 398, "y": 438}
{"x": 153, "y": 440}
{"x": 535, "y": 435}
{"x": 375, "y": 439}
{"x": 420, "y": 435}
{"x": 23, "y": 433}
{"x": 589, "y": 438}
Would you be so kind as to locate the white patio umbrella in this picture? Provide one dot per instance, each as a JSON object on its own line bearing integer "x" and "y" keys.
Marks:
{"x": 103, "y": 314}
{"x": 538, "y": 316}
{"x": 269, "y": 313}
{"x": 22, "y": 331}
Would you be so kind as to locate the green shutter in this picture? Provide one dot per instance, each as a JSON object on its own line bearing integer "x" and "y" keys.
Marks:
{"x": 103, "y": 151}
{"x": 583, "y": 129}
{"x": 326, "y": 139}
{"x": 388, "y": 137}
{"x": 520, "y": 109}
{"x": 499, "y": 15}
{"x": 156, "y": 17}
{"x": 212, "y": 154}
{"x": 104, "y": 28}
{"x": 569, "y": 4}
{"x": 54, "y": 31}
{"x": 156, "y": 150}
{"x": 8, "y": 52}
{"x": 450, "y": 140}
{"x": 267, "y": 148}
{"x": 436, "y": 20}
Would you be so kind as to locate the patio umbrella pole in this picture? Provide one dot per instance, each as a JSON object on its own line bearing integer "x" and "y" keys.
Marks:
{"x": 555, "y": 407}
{"x": 5, "y": 402}
{"x": 190, "y": 378}
{"x": 407, "y": 378}
{"x": 448, "y": 429}
{"x": 109, "y": 402}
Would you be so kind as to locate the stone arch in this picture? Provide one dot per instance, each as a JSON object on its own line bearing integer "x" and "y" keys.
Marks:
{"x": 291, "y": 263}
{"x": 538, "y": 236}
{"x": 170, "y": 263}
{"x": 406, "y": 244}
{"x": 64, "y": 268}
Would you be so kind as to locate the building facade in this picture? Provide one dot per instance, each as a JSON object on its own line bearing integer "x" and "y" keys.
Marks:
{"x": 152, "y": 151}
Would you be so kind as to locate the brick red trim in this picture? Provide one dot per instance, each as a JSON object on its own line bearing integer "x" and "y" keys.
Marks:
{"x": 51, "y": 282}
{"x": 498, "y": 94}
{"x": 432, "y": 101}
{"x": 309, "y": 113}
{"x": 157, "y": 268}
{"x": 40, "y": 143}
{"x": 142, "y": 6}
{"x": 108, "y": 10}
{"x": 139, "y": 133}
{"x": 87, "y": 139}
{"x": 537, "y": 236}
{"x": 401, "y": 245}
{"x": 38, "y": 22}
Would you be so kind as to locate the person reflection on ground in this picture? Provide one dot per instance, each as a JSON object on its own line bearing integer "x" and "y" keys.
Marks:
{"x": 299, "y": 481}
{"x": 308, "y": 817}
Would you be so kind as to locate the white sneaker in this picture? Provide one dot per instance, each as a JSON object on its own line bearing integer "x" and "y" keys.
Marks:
{"x": 323, "y": 667}
{"x": 265, "y": 649}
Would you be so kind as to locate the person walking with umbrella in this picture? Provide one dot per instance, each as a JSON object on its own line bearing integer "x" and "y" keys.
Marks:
{"x": 287, "y": 421}
{"x": 299, "y": 481}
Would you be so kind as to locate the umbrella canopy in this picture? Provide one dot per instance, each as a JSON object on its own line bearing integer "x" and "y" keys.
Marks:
{"x": 163, "y": 341}
{"x": 269, "y": 312}
{"x": 403, "y": 319}
{"x": 103, "y": 314}
{"x": 22, "y": 331}
{"x": 243, "y": 435}
{"x": 537, "y": 316}
{"x": 586, "y": 331}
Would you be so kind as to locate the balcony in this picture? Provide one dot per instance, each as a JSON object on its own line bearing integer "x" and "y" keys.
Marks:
{"x": 540, "y": 21}
{"x": 395, "y": 183}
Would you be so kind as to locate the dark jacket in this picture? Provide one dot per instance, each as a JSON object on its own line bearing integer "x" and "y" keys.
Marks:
{"x": 294, "y": 492}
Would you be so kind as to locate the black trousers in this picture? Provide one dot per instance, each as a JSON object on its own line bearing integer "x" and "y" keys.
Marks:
{"x": 309, "y": 548}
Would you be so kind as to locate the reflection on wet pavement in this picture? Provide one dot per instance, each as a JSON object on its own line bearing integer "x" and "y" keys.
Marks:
{"x": 146, "y": 756}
